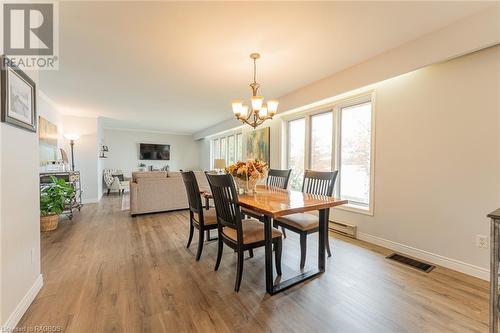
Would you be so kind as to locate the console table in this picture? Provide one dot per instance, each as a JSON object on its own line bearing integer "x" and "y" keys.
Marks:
{"x": 494, "y": 265}
{"x": 71, "y": 177}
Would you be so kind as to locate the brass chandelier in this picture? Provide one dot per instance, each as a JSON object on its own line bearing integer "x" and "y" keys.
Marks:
{"x": 260, "y": 111}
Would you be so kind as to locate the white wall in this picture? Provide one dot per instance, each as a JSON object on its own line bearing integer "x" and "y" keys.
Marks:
{"x": 20, "y": 277}
{"x": 124, "y": 150}
{"x": 437, "y": 164}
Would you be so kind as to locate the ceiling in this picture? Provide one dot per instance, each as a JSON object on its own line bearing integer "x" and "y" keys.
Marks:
{"x": 175, "y": 66}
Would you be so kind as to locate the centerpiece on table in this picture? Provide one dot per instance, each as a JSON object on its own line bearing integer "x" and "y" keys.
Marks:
{"x": 247, "y": 174}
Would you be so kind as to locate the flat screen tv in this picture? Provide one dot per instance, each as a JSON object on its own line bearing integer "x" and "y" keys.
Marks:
{"x": 149, "y": 151}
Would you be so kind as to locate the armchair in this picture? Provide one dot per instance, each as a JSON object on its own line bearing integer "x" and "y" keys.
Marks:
{"x": 113, "y": 179}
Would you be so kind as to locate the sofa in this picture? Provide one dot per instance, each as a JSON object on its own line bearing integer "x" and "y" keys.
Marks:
{"x": 160, "y": 191}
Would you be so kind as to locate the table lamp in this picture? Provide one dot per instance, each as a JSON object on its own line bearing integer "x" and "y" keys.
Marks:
{"x": 219, "y": 164}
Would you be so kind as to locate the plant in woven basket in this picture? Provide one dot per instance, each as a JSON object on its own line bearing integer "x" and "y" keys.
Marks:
{"x": 53, "y": 199}
{"x": 246, "y": 174}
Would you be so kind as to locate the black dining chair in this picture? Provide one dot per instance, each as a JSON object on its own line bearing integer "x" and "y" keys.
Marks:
{"x": 199, "y": 218}
{"x": 315, "y": 182}
{"x": 276, "y": 178}
{"x": 237, "y": 233}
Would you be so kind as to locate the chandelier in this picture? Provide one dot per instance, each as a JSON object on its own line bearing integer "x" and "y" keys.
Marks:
{"x": 260, "y": 111}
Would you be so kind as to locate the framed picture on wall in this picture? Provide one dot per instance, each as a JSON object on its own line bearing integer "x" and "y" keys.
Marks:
{"x": 18, "y": 97}
{"x": 258, "y": 146}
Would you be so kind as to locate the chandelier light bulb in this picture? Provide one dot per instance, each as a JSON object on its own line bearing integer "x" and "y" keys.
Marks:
{"x": 244, "y": 111}
{"x": 263, "y": 112}
{"x": 272, "y": 107}
{"x": 237, "y": 105}
{"x": 257, "y": 102}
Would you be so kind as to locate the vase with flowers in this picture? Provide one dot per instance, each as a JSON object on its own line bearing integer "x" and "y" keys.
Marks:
{"x": 247, "y": 174}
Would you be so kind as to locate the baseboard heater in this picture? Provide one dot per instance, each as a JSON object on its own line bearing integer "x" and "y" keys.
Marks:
{"x": 343, "y": 228}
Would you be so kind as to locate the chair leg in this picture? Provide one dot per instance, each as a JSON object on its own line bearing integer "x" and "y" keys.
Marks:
{"x": 250, "y": 252}
{"x": 201, "y": 239}
{"x": 219, "y": 253}
{"x": 327, "y": 243}
{"x": 303, "y": 248}
{"x": 239, "y": 271}
{"x": 109, "y": 190}
{"x": 277, "y": 255}
{"x": 191, "y": 231}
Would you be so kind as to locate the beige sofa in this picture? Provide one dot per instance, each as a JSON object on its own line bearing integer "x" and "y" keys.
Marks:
{"x": 159, "y": 191}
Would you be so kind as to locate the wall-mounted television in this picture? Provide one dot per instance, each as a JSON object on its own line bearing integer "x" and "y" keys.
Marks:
{"x": 150, "y": 151}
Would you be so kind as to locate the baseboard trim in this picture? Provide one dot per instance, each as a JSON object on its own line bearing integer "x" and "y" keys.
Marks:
{"x": 22, "y": 306}
{"x": 433, "y": 258}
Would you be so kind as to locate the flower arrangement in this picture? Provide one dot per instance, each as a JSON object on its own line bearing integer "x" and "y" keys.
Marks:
{"x": 246, "y": 174}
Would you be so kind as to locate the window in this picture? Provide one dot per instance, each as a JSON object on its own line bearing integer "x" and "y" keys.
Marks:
{"x": 321, "y": 141}
{"x": 216, "y": 148}
{"x": 239, "y": 147}
{"x": 230, "y": 149}
{"x": 337, "y": 139}
{"x": 296, "y": 154}
{"x": 223, "y": 149}
{"x": 355, "y": 151}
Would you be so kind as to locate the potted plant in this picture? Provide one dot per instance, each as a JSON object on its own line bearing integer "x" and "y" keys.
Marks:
{"x": 142, "y": 167}
{"x": 53, "y": 199}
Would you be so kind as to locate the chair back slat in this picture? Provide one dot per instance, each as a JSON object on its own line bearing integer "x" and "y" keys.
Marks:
{"x": 193, "y": 192}
{"x": 226, "y": 202}
{"x": 278, "y": 178}
{"x": 318, "y": 182}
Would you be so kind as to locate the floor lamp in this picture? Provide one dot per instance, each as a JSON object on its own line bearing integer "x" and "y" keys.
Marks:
{"x": 72, "y": 138}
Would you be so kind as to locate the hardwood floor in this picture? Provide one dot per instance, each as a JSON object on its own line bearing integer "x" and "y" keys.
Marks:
{"x": 107, "y": 272}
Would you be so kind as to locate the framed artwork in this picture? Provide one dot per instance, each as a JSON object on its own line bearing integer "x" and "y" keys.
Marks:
{"x": 18, "y": 94}
{"x": 48, "y": 134}
{"x": 257, "y": 145}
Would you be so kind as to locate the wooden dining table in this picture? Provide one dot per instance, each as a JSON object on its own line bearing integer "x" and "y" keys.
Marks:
{"x": 274, "y": 202}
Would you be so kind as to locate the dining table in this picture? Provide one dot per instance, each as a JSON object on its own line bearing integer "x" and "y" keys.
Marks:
{"x": 272, "y": 202}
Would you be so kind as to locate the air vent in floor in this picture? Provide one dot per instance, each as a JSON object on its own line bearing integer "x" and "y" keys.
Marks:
{"x": 421, "y": 266}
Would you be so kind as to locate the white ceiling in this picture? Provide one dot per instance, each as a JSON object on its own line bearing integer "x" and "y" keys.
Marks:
{"x": 176, "y": 66}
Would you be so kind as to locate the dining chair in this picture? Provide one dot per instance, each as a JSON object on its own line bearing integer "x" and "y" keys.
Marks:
{"x": 199, "y": 218}
{"x": 276, "y": 178}
{"x": 237, "y": 233}
{"x": 318, "y": 183}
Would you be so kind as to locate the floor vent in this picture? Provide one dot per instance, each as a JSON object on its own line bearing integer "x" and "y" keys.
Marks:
{"x": 421, "y": 266}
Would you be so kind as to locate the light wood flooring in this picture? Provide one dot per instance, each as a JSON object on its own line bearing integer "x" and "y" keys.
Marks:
{"x": 107, "y": 272}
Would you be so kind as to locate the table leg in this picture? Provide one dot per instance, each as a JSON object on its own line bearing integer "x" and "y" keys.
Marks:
{"x": 323, "y": 232}
{"x": 268, "y": 254}
{"x": 207, "y": 203}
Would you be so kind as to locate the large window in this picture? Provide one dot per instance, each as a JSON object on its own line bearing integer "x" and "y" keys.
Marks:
{"x": 228, "y": 147}
{"x": 355, "y": 153}
{"x": 337, "y": 138}
{"x": 321, "y": 141}
{"x": 296, "y": 154}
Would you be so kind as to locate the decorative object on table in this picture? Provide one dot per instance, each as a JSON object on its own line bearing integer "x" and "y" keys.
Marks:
{"x": 259, "y": 112}
{"x": 18, "y": 97}
{"x": 72, "y": 138}
{"x": 115, "y": 181}
{"x": 104, "y": 150}
{"x": 257, "y": 145}
{"x": 246, "y": 174}
{"x": 219, "y": 164}
{"x": 142, "y": 167}
{"x": 53, "y": 199}
{"x": 47, "y": 137}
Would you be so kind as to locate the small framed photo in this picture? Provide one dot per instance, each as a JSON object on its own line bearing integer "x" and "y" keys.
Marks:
{"x": 18, "y": 92}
